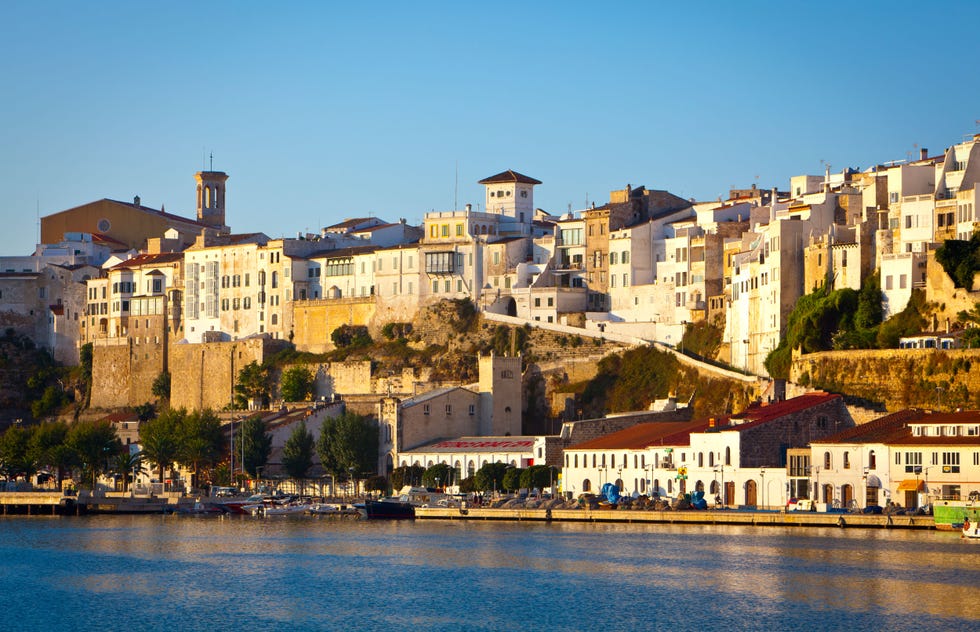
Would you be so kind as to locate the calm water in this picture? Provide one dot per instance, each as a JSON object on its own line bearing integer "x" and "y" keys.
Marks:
{"x": 186, "y": 573}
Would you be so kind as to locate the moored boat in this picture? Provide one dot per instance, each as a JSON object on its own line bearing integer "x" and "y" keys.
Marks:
{"x": 971, "y": 529}
{"x": 386, "y": 510}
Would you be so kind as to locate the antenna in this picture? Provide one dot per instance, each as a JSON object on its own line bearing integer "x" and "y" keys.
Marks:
{"x": 456, "y": 189}
{"x": 212, "y": 161}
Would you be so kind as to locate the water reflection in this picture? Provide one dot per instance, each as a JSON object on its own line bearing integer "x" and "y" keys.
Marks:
{"x": 305, "y": 574}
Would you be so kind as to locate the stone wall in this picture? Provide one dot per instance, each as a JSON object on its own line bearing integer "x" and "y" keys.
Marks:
{"x": 203, "y": 375}
{"x": 896, "y": 378}
{"x": 765, "y": 445}
{"x": 123, "y": 373}
{"x": 315, "y": 320}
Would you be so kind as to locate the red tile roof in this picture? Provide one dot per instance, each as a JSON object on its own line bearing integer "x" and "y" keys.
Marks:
{"x": 147, "y": 259}
{"x": 760, "y": 413}
{"x": 640, "y": 436}
{"x": 882, "y": 430}
{"x": 508, "y": 177}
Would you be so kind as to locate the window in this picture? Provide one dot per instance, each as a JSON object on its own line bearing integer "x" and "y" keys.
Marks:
{"x": 425, "y": 409}
{"x": 826, "y": 460}
{"x": 459, "y": 230}
{"x": 449, "y": 409}
{"x": 847, "y": 460}
{"x": 445, "y": 230}
{"x": 951, "y": 462}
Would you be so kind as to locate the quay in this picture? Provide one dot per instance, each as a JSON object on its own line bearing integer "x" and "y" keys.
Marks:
{"x": 694, "y": 517}
{"x": 57, "y": 503}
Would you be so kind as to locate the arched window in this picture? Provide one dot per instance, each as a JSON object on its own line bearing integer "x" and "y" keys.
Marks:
{"x": 576, "y": 460}
{"x": 701, "y": 460}
{"x": 699, "y": 486}
{"x": 714, "y": 487}
{"x": 728, "y": 456}
{"x": 656, "y": 487}
{"x": 847, "y": 460}
{"x": 275, "y": 279}
{"x": 470, "y": 468}
{"x": 711, "y": 459}
{"x": 826, "y": 460}
{"x": 872, "y": 460}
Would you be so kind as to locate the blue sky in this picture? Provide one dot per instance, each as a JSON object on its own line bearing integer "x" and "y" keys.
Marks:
{"x": 321, "y": 111}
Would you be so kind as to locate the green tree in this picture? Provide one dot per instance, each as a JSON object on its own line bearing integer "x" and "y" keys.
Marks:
{"x": 161, "y": 439}
{"x": 296, "y": 384}
{"x": 350, "y": 336}
{"x": 95, "y": 443}
{"x": 161, "y": 385}
{"x": 15, "y": 454}
{"x": 253, "y": 383}
{"x": 201, "y": 440}
{"x": 437, "y": 476}
{"x": 145, "y": 411}
{"x": 908, "y": 322}
{"x": 490, "y": 477}
{"x": 539, "y": 476}
{"x": 297, "y": 454}
{"x": 52, "y": 399}
{"x": 254, "y": 443}
{"x": 971, "y": 319}
{"x": 85, "y": 355}
{"x": 348, "y": 443}
{"x": 376, "y": 483}
{"x": 49, "y": 449}
{"x": 410, "y": 475}
{"x": 512, "y": 479}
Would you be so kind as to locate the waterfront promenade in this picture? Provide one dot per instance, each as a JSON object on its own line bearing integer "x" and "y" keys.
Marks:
{"x": 710, "y": 516}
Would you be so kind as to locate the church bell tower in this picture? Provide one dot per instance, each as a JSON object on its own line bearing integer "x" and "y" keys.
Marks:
{"x": 211, "y": 197}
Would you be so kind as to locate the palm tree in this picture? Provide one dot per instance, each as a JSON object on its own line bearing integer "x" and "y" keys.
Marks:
{"x": 125, "y": 464}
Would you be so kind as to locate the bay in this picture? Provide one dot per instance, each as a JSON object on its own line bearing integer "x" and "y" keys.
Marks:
{"x": 242, "y": 573}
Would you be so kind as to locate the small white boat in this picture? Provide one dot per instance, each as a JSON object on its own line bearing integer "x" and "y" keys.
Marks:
{"x": 971, "y": 529}
{"x": 285, "y": 510}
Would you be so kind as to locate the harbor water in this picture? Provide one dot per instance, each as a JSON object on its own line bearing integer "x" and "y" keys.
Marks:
{"x": 195, "y": 573}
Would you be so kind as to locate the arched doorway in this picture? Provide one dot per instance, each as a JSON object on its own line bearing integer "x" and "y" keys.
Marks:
{"x": 828, "y": 493}
{"x": 619, "y": 485}
{"x": 751, "y": 494}
{"x": 389, "y": 465}
{"x": 846, "y": 495}
{"x": 699, "y": 486}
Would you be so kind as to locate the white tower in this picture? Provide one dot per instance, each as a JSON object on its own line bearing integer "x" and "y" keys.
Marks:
{"x": 500, "y": 395}
{"x": 511, "y": 194}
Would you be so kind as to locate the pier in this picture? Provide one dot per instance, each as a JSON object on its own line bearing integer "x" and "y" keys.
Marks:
{"x": 38, "y": 503}
{"x": 709, "y": 517}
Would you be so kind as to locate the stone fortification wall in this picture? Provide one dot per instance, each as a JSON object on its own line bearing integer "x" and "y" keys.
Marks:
{"x": 896, "y": 378}
{"x": 315, "y": 320}
{"x": 123, "y": 373}
{"x": 203, "y": 375}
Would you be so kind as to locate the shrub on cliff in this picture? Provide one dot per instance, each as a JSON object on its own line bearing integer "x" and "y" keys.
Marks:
{"x": 961, "y": 260}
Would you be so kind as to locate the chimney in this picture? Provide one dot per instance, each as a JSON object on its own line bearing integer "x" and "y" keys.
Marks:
{"x": 136, "y": 201}
{"x": 469, "y": 207}
{"x": 923, "y": 153}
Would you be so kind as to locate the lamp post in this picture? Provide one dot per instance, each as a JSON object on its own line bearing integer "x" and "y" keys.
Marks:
{"x": 350, "y": 471}
{"x": 864, "y": 478}
{"x": 762, "y": 475}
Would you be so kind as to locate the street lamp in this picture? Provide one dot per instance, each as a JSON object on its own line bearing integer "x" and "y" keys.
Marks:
{"x": 350, "y": 471}
{"x": 762, "y": 475}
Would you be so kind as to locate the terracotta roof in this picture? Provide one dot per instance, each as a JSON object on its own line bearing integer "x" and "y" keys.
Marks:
{"x": 370, "y": 229}
{"x": 351, "y": 223}
{"x": 126, "y": 415}
{"x": 57, "y": 310}
{"x": 478, "y": 444}
{"x": 509, "y": 176}
{"x": 882, "y": 430}
{"x": 670, "y": 433}
{"x": 761, "y": 413}
{"x": 154, "y": 259}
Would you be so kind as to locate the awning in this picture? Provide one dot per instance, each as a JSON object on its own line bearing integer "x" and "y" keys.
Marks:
{"x": 912, "y": 485}
{"x": 873, "y": 481}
